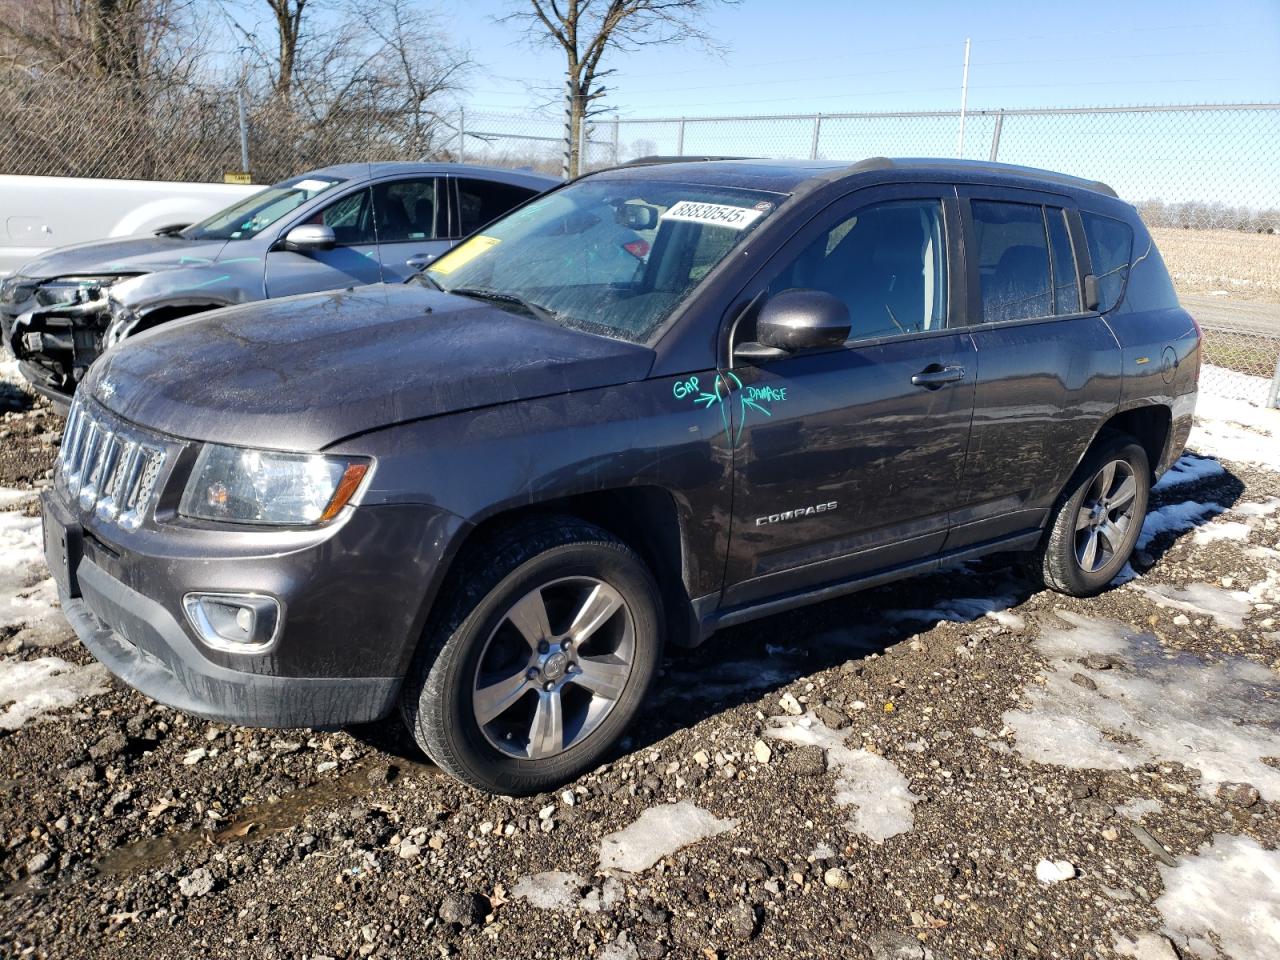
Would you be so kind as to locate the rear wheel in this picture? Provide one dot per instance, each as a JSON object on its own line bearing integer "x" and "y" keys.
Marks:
{"x": 550, "y": 643}
{"x": 1098, "y": 518}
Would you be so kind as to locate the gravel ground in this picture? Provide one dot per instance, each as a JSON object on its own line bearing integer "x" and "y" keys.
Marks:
{"x": 954, "y": 766}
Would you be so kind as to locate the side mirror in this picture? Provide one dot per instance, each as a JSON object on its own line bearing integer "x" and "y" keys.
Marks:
{"x": 795, "y": 321}
{"x": 308, "y": 237}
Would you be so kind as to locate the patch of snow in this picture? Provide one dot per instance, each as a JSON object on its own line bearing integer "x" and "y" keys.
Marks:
{"x": 30, "y": 688}
{"x": 1222, "y": 530}
{"x": 1188, "y": 469}
{"x": 1227, "y": 607}
{"x": 1007, "y": 618}
{"x": 27, "y": 595}
{"x": 1176, "y": 518}
{"x": 1219, "y": 718}
{"x": 1234, "y": 429}
{"x": 1137, "y": 809}
{"x": 11, "y": 497}
{"x": 865, "y": 780}
{"x": 1230, "y": 889}
{"x": 957, "y": 610}
{"x": 552, "y": 890}
{"x": 1146, "y": 946}
{"x": 659, "y": 832}
{"x": 1260, "y": 508}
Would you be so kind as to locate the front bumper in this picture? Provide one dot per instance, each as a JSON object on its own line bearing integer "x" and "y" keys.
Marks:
{"x": 355, "y": 596}
{"x": 150, "y": 651}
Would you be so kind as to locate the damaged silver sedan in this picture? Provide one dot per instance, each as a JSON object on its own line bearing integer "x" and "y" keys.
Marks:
{"x": 340, "y": 226}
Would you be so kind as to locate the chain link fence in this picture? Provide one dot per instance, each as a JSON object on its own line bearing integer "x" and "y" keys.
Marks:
{"x": 1206, "y": 177}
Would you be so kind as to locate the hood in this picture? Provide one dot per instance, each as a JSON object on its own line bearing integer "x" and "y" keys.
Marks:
{"x": 121, "y": 255}
{"x": 302, "y": 372}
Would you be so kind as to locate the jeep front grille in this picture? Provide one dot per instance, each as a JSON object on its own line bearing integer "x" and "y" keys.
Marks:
{"x": 109, "y": 467}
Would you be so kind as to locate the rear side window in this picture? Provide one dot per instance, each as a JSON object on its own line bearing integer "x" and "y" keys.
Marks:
{"x": 480, "y": 201}
{"x": 405, "y": 210}
{"x": 1110, "y": 248}
{"x": 1014, "y": 275}
{"x": 888, "y": 262}
{"x": 1149, "y": 286}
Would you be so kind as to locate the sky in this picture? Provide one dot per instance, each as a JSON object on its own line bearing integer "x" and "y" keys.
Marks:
{"x": 805, "y": 56}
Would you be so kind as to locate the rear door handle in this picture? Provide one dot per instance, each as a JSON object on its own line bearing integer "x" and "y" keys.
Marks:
{"x": 936, "y": 375}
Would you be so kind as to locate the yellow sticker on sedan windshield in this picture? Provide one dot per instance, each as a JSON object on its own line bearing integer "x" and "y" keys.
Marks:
{"x": 461, "y": 255}
{"x": 715, "y": 214}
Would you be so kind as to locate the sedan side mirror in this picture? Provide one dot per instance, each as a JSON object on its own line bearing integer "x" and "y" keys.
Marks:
{"x": 310, "y": 236}
{"x": 795, "y": 321}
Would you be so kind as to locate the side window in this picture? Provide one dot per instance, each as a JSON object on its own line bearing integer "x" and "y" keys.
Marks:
{"x": 1110, "y": 248}
{"x": 1013, "y": 260}
{"x": 481, "y": 201}
{"x": 405, "y": 210}
{"x": 888, "y": 262}
{"x": 1066, "y": 284}
{"x": 351, "y": 219}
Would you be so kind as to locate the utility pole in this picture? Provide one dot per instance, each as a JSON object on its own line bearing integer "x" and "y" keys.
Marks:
{"x": 568, "y": 127}
{"x": 964, "y": 98}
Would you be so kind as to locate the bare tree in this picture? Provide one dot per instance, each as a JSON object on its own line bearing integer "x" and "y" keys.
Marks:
{"x": 588, "y": 29}
{"x": 132, "y": 41}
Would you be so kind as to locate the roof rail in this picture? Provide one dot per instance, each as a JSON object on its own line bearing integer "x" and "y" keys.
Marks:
{"x": 984, "y": 166}
{"x": 657, "y": 158}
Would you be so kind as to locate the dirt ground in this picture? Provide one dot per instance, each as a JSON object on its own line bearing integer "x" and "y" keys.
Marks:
{"x": 960, "y": 765}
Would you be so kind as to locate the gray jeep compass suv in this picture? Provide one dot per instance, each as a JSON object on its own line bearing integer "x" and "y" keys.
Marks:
{"x": 654, "y": 402}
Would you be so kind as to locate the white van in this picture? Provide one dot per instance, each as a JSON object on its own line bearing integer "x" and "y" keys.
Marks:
{"x": 37, "y": 213}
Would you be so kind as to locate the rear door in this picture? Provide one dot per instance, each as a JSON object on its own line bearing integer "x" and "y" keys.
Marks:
{"x": 353, "y": 260}
{"x": 849, "y": 461}
{"x": 1048, "y": 369}
{"x": 412, "y": 217}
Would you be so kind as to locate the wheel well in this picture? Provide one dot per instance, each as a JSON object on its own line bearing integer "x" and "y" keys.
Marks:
{"x": 644, "y": 518}
{"x": 1149, "y": 425}
{"x": 153, "y": 318}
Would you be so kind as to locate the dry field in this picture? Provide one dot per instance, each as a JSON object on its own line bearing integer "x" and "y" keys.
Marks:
{"x": 1244, "y": 265}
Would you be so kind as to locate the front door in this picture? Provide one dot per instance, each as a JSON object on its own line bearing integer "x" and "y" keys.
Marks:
{"x": 353, "y": 260}
{"x": 849, "y": 461}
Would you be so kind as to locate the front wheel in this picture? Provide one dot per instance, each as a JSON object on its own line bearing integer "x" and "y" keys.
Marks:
{"x": 1098, "y": 518}
{"x": 550, "y": 643}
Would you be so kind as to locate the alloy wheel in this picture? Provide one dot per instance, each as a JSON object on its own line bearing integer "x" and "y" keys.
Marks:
{"x": 1106, "y": 515}
{"x": 554, "y": 667}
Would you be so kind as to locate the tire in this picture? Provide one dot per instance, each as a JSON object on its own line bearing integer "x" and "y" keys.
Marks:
{"x": 479, "y": 656}
{"x": 1064, "y": 561}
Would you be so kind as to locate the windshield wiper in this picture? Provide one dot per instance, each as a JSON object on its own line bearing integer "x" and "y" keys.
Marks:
{"x": 497, "y": 296}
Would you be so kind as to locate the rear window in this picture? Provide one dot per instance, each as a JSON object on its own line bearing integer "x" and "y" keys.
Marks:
{"x": 1111, "y": 249}
{"x": 1150, "y": 287}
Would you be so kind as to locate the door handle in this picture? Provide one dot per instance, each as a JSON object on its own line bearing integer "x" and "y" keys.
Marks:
{"x": 419, "y": 260}
{"x": 936, "y": 375}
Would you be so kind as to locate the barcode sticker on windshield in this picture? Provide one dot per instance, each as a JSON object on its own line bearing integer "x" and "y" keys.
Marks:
{"x": 313, "y": 186}
{"x": 716, "y": 214}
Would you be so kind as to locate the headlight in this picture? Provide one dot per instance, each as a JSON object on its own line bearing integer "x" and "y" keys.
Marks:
{"x": 237, "y": 485}
{"x": 68, "y": 291}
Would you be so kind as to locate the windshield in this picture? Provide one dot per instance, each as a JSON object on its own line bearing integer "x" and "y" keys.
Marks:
{"x": 614, "y": 257}
{"x": 256, "y": 212}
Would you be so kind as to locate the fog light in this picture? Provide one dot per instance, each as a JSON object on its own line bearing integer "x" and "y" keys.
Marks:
{"x": 238, "y": 622}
